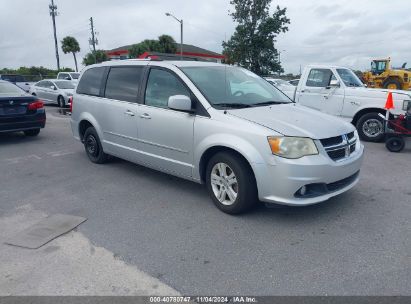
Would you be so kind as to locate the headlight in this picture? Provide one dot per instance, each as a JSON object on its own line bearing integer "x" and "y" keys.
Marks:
{"x": 292, "y": 147}
{"x": 406, "y": 105}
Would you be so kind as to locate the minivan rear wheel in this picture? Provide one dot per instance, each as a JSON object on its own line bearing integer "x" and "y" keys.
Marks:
{"x": 93, "y": 147}
{"x": 230, "y": 183}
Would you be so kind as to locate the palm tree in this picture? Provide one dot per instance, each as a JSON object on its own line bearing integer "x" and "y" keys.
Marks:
{"x": 70, "y": 45}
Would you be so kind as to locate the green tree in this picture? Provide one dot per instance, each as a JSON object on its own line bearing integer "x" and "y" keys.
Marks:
{"x": 167, "y": 44}
{"x": 95, "y": 57}
{"x": 164, "y": 44}
{"x": 252, "y": 44}
{"x": 70, "y": 45}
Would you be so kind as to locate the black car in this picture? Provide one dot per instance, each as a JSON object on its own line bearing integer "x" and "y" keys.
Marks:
{"x": 20, "y": 111}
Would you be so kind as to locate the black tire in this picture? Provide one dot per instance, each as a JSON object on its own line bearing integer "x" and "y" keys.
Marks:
{"x": 364, "y": 123}
{"x": 93, "y": 147}
{"x": 395, "y": 144}
{"x": 245, "y": 185}
{"x": 34, "y": 94}
{"x": 60, "y": 102}
{"x": 34, "y": 132}
{"x": 392, "y": 81}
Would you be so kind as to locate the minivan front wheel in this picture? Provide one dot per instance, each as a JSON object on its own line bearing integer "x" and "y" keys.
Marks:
{"x": 93, "y": 147}
{"x": 230, "y": 183}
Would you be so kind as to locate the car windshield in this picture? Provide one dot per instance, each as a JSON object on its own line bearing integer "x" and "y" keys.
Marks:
{"x": 7, "y": 89}
{"x": 64, "y": 84}
{"x": 228, "y": 86}
{"x": 75, "y": 75}
{"x": 349, "y": 78}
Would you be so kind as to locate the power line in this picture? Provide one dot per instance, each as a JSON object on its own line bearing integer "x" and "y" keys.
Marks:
{"x": 53, "y": 14}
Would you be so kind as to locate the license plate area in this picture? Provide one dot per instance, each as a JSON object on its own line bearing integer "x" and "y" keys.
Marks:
{"x": 12, "y": 110}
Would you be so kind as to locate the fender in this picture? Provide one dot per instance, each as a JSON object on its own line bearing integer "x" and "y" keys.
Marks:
{"x": 87, "y": 116}
{"x": 248, "y": 151}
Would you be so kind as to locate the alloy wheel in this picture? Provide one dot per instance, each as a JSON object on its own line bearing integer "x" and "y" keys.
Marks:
{"x": 224, "y": 184}
{"x": 372, "y": 127}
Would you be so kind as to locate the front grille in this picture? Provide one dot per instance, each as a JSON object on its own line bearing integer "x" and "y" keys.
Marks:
{"x": 332, "y": 141}
{"x": 339, "y": 147}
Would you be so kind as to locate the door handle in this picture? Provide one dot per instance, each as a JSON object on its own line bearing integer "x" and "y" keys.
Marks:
{"x": 305, "y": 91}
{"x": 128, "y": 112}
{"x": 145, "y": 116}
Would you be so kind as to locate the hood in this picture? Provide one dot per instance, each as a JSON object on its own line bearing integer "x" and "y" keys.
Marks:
{"x": 295, "y": 120}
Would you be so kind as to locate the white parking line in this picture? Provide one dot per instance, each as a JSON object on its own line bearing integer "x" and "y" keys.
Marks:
{"x": 21, "y": 159}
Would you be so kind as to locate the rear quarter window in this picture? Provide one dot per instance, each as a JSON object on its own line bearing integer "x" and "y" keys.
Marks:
{"x": 91, "y": 81}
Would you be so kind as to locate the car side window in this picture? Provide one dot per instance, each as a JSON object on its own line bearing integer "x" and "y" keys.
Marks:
{"x": 161, "y": 85}
{"x": 40, "y": 84}
{"x": 123, "y": 83}
{"x": 320, "y": 78}
{"x": 90, "y": 82}
{"x": 61, "y": 76}
{"x": 47, "y": 84}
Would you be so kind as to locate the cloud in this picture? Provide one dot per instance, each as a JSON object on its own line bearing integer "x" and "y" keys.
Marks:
{"x": 320, "y": 32}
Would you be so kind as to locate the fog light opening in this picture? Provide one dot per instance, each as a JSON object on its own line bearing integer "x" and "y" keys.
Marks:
{"x": 303, "y": 190}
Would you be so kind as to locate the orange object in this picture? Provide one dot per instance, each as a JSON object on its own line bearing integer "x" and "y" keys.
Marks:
{"x": 389, "y": 103}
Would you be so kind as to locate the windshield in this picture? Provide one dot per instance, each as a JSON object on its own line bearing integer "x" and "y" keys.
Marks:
{"x": 64, "y": 84}
{"x": 226, "y": 85}
{"x": 10, "y": 89}
{"x": 75, "y": 75}
{"x": 349, "y": 78}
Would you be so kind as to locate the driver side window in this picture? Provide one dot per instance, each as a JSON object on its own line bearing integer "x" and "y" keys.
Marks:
{"x": 161, "y": 85}
{"x": 320, "y": 78}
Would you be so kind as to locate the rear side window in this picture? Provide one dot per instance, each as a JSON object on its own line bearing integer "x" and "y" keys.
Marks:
{"x": 90, "y": 82}
{"x": 62, "y": 76}
{"x": 123, "y": 83}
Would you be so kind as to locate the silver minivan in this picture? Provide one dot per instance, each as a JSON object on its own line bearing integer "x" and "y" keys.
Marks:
{"x": 215, "y": 124}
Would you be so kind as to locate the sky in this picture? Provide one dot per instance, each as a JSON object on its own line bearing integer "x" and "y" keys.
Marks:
{"x": 348, "y": 33}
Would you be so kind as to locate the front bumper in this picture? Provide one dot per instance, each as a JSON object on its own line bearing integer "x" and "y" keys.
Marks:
{"x": 279, "y": 181}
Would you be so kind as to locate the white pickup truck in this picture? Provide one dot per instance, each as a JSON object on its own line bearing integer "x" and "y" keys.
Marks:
{"x": 339, "y": 92}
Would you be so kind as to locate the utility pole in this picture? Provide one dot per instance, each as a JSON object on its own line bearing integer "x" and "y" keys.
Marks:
{"x": 53, "y": 14}
{"x": 93, "y": 41}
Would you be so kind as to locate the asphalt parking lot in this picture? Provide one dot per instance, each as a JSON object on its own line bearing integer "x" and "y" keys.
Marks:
{"x": 168, "y": 230}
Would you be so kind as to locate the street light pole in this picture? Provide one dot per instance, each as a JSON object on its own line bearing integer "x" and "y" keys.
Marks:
{"x": 181, "y": 33}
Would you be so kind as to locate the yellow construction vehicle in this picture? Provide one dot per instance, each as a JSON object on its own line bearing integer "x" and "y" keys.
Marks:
{"x": 383, "y": 76}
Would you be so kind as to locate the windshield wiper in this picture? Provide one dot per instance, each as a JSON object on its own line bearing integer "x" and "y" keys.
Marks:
{"x": 267, "y": 103}
{"x": 232, "y": 105}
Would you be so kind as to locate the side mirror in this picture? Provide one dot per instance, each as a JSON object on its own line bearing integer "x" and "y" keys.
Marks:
{"x": 53, "y": 88}
{"x": 180, "y": 103}
{"x": 67, "y": 78}
{"x": 334, "y": 83}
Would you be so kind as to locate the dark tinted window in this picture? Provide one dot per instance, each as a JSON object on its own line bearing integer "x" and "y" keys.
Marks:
{"x": 123, "y": 83}
{"x": 11, "y": 78}
{"x": 160, "y": 86}
{"x": 20, "y": 78}
{"x": 90, "y": 82}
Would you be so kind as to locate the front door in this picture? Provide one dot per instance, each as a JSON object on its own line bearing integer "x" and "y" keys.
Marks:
{"x": 318, "y": 92}
{"x": 165, "y": 135}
